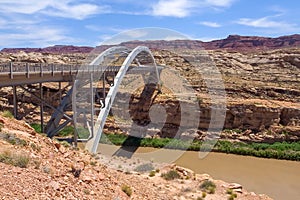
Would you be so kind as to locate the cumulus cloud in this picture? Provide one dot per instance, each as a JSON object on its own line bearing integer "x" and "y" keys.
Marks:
{"x": 268, "y": 24}
{"x": 220, "y": 3}
{"x": 264, "y": 22}
{"x": 35, "y": 36}
{"x": 61, "y": 8}
{"x": 172, "y": 8}
{"x": 184, "y": 8}
{"x": 210, "y": 24}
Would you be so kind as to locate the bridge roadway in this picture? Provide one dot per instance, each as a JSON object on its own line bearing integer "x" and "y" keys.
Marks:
{"x": 12, "y": 74}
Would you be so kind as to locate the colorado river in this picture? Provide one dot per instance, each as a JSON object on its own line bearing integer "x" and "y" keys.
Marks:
{"x": 279, "y": 179}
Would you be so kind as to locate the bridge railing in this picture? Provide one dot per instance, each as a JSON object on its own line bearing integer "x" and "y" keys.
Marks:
{"x": 27, "y": 68}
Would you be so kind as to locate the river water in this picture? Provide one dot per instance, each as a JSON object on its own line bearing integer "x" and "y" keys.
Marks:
{"x": 279, "y": 179}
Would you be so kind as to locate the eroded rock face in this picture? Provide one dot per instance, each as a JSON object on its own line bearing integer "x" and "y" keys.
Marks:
{"x": 262, "y": 87}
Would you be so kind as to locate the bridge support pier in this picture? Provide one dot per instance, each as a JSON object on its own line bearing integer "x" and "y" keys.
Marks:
{"x": 15, "y": 101}
{"x": 41, "y": 107}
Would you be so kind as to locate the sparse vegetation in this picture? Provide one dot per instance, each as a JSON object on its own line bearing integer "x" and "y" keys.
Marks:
{"x": 232, "y": 196}
{"x": 93, "y": 163}
{"x": 152, "y": 173}
{"x": 37, "y": 164}
{"x": 65, "y": 144}
{"x": 170, "y": 175}
{"x": 86, "y": 191}
{"x": 8, "y": 114}
{"x": 12, "y": 139}
{"x": 17, "y": 160}
{"x": 127, "y": 190}
{"x": 37, "y": 127}
{"x": 144, "y": 167}
{"x": 208, "y": 186}
{"x": 1, "y": 126}
{"x": 277, "y": 150}
{"x": 35, "y": 147}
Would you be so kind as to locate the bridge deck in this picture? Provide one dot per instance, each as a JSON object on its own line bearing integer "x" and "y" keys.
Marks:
{"x": 29, "y": 73}
{"x": 24, "y": 73}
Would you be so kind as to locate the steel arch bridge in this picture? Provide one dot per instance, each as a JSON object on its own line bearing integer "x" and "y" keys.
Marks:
{"x": 85, "y": 95}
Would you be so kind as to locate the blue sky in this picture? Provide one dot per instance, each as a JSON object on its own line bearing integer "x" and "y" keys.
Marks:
{"x": 40, "y": 23}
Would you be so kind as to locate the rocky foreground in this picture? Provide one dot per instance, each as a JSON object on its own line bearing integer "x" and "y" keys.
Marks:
{"x": 35, "y": 167}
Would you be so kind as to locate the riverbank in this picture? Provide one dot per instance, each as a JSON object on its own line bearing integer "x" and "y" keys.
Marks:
{"x": 277, "y": 150}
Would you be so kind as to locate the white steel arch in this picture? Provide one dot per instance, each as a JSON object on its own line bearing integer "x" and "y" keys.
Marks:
{"x": 93, "y": 142}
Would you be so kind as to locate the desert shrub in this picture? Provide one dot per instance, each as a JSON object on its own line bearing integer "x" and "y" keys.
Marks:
{"x": 12, "y": 139}
{"x": 152, "y": 173}
{"x": 21, "y": 161}
{"x": 203, "y": 194}
{"x": 170, "y": 175}
{"x": 229, "y": 191}
{"x": 86, "y": 191}
{"x": 127, "y": 190}
{"x": 17, "y": 160}
{"x": 35, "y": 147}
{"x": 93, "y": 163}
{"x": 7, "y": 113}
{"x": 208, "y": 186}
{"x": 144, "y": 167}
{"x": 65, "y": 144}
{"x": 1, "y": 126}
{"x": 232, "y": 196}
{"x": 37, "y": 127}
{"x": 37, "y": 164}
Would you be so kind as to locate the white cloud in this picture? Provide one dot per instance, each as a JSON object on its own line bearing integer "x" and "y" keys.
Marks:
{"x": 220, "y": 3}
{"x": 34, "y": 36}
{"x": 172, "y": 8}
{"x": 269, "y": 25}
{"x": 264, "y": 22}
{"x": 61, "y": 8}
{"x": 210, "y": 24}
{"x": 184, "y": 8}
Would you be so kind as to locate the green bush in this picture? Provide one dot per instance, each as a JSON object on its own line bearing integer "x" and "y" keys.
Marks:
{"x": 66, "y": 131}
{"x": 170, "y": 175}
{"x": 127, "y": 190}
{"x": 208, "y": 186}
{"x": 37, "y": 127}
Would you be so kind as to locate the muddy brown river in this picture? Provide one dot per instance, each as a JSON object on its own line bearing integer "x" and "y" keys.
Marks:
{"x": 279, "y": 179}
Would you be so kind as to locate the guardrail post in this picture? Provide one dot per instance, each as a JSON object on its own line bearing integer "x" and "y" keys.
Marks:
{"x": 15, "y": 101}
{"x": 41, "y": 107}
{"x": 11, "y": 70}
{"x": 52, "y": 69}
{"x": 41, "y": 70}
{"x": 27, "y": 70}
